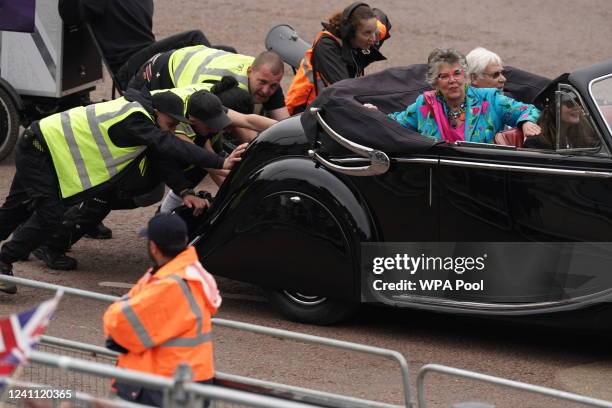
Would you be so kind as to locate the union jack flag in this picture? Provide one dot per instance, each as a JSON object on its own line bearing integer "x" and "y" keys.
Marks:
{"x": 20, "y": 332}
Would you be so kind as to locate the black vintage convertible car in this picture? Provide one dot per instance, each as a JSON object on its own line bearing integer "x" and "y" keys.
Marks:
{"x": 331, "y": 209}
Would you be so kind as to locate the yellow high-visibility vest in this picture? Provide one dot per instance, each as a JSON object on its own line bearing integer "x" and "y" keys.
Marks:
{"x": 83, "y": 154}
{"x": 192, "y": 65}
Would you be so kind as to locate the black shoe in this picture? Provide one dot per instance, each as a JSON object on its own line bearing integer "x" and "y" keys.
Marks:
{"x": 7, "y": 287}
{"x": 55, "y": 260}
{"x": 100, "y": 232}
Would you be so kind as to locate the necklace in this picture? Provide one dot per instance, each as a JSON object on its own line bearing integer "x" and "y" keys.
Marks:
{"x": 455, "y": 115}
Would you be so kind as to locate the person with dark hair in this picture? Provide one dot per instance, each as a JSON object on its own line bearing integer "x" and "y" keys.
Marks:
{"x": 232, "y": 97}
{"x": 260, "y": 76}
{"x": 349, "y": 42}
{"x": 124, "y": 31}
{"x": 71, "y": 156}
{"x": 575, "y": 132}
{"x": 165, "y": 319}
{"x": 206, "y": 116}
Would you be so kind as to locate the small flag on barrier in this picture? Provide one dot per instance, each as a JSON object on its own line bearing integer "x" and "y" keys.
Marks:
{"x": 20, "y": 332}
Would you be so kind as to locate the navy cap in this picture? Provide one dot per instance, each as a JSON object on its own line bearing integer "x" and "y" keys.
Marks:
{"x": 170, "y": 104}
{"x": 167, "y": 230}
{"x": 208, "y": 108}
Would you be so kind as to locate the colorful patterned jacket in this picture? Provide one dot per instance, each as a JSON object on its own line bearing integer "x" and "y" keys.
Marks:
{"x": 487, "y": 112}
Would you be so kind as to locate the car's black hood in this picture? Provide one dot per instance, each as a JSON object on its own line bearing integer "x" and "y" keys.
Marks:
{"x": 390, "y": 90}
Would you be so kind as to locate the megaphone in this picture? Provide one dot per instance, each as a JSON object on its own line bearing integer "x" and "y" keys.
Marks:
{"x": 284, "y": 40}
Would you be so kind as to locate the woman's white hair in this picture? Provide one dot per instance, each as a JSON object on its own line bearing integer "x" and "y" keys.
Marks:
{"x": 479, "y": 59}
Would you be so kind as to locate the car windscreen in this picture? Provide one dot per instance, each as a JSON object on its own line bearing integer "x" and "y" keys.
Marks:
{"x": 601, "y": 91}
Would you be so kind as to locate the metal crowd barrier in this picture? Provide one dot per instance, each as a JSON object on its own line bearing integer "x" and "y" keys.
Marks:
{"x": 224, "y": 394}
{"x": 339, "y": 400}
{"x": 102, "y": 354}
{"x": 178, "y": 391}
{"x": 517, "y": 385}
{"x": 61, "y": 379}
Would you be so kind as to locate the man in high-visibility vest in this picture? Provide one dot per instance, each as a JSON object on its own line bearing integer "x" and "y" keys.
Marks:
{"x": 73, "y": 155}
{"x": 141, "y": 186}
{"x": 261, "y": 76}
{"x": 165, "y": 319}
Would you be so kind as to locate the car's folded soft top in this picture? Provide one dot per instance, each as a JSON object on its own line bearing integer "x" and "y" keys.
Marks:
{"x": 390, "y": 90}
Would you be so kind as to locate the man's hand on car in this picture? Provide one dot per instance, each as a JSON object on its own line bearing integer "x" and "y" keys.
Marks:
{"x": 197, "y": 203}
{"x": 234, "y": 156}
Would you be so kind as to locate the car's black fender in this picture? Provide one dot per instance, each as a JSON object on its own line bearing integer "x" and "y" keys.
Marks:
{"x": 295, "y": 225}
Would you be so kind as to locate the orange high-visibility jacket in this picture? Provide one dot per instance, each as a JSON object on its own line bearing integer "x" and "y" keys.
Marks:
{"x": 165, "y": 319}
{"x": 303, "y": 90}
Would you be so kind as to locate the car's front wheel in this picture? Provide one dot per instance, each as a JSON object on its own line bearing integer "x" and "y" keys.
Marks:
{"x": 311, "y": 309}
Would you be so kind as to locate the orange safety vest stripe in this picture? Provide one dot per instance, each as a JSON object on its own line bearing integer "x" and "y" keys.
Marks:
{"x": 382, "y": 30}
{"x": 166, "y": 320}
{"x": 302, "y": 90}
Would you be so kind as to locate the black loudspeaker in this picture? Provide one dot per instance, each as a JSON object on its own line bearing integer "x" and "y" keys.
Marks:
{"x": 346, "y": 29}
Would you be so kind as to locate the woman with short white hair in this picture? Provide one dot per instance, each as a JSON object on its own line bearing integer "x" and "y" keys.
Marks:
{"x": 485, "y": 69}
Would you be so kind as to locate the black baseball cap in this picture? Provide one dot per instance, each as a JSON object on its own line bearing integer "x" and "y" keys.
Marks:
{"x": 208, "y": 108}
{"x": 169, "y": 103}
{"x": 166, "y": 230}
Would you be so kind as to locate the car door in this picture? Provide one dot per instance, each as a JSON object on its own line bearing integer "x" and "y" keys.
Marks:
{"x": 402, "y": 200}
{"x": 542, "y": 216}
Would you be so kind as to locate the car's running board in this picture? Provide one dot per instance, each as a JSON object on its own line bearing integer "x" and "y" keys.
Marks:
{"x": 507, "y": 309}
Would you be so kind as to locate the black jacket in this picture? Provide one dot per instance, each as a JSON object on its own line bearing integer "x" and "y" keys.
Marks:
{"x": 122, "y": 27}
{"x": 138, "y": 130}
{"x": 336, "y": 62}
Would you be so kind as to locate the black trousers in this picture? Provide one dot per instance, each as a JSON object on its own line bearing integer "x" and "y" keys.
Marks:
{"x": 139, "y": 185}
{"x": 147, "y": 396}
{"x": 80, "y": 219}
{"x": 181, "y": 40}
{"x": 33, "y": 204}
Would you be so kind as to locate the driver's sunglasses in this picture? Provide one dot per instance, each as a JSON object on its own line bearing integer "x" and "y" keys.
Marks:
{"x": 570, "y": 100}
{"x": 571, "y": 104}
{"x": 496, "y": 74}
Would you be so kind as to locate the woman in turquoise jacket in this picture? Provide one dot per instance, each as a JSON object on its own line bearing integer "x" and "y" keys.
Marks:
{"x": 456, "y": 111}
